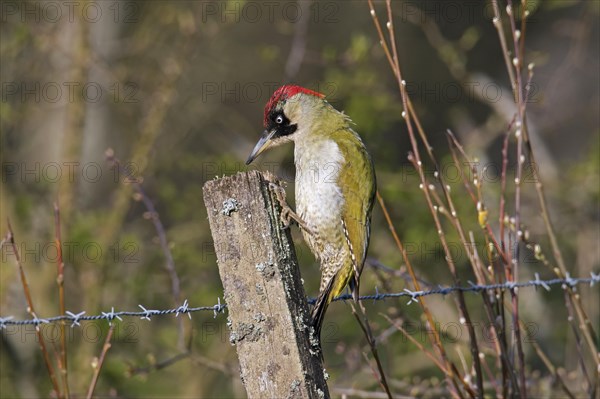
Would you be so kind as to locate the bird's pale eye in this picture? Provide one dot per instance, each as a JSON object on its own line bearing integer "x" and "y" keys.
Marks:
{"x": 279, "y": 119}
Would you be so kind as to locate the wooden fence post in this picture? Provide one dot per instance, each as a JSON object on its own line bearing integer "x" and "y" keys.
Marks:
{"x": 266, "y": 303}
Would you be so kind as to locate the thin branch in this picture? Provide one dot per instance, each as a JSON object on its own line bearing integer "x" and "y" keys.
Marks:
{"x": 98, "y": 367}
{"x": 434, "y": 336}
{"x": 418, "y": 165}
{"x": 553, "y": 370}
{"x": 501, "y": 215}
{"x": 498, "y": 331}
{"x": 573, "y": 324}
{"x": 516, "y": 82}
{"x": 378, "y": 265}
{"x": 392, "y": 60}
{"x": 159, "y": 365}
{"x": 497, "y": 21}
{"x": 60, "y": 280}
{"x": 416, "y": 343}
{"x": 162, "y": 237}
{"x": 31, "y": 310}
{"x": 366, "y": 329}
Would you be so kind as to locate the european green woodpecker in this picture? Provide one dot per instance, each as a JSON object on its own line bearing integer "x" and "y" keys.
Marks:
{"x": 335, "y": 185}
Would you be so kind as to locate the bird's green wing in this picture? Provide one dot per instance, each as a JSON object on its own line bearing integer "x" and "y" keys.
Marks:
{"x": 357, "y": 179}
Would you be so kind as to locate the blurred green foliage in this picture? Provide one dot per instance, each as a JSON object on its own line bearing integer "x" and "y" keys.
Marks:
{"x": 182, "y": 89}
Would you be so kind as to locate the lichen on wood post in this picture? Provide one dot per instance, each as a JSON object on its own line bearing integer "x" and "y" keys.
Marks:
{"x": 268, "y": 313}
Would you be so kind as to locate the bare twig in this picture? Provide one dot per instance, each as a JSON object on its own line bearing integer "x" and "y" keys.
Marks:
{"x": 524, "y": 140}
{"x": 378, "y": 265}
{"x": 60, "y": 280}
{"x": 515, "y": 263}
{"x": 188, "y": 354}
{"x": 434, "y": 336}
{"x": 573, "y": 325}
{"x": 415, "y": 342}
{"x": 31, "y": 310}
{"x": 416, "y": 159}
{"x": 366, "y": 329}
{"x": 162, "y": 237}
{"x": 551, "y": 368}
{"x": 453, "y": 380}
{"x": 497, "y": 328}
{"x": 100, "y": 362}
{"x": 156, "y": 366}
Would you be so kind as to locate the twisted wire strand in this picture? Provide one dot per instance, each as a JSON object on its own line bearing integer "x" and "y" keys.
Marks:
{"x": 147, "y": 314}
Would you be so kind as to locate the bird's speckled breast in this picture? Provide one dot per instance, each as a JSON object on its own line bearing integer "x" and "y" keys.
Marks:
{"x": 319, "y": 199}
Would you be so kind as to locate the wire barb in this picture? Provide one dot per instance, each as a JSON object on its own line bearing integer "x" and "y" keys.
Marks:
{"x": 75, "y": 318}
{"x": 595, "y": 278}
{"x": 541, "y": 283}
{"x": 110, "y": 316}
{"x": 218, "y": 308}
{"x": 3, "y": 321}
{"x": 413, "y": 295}
{"x": 184, "y": 308}
{"x": 148, "y": 313}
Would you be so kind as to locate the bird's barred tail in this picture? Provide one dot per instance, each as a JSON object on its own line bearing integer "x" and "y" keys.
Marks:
{"x": 354, "y": 285}
{"x": 318, "y": 312}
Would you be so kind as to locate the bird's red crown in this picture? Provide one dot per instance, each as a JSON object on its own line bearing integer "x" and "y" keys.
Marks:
{"x": 285, "y": 92}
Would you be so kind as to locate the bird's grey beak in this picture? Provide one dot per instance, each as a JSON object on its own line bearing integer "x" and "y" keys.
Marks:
{"x": 262, "y": 145}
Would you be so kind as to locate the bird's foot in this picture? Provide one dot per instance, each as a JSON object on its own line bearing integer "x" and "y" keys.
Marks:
{"x": 287, "y": 213}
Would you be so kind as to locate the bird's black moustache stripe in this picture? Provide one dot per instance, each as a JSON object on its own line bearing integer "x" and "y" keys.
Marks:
{"x": 286, "y": 130}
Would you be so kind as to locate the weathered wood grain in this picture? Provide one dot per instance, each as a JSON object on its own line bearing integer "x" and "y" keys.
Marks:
{"x": 268, "y": 312}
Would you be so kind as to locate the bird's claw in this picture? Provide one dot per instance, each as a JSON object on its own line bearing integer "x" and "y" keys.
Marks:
{"x": 286, "y": 218}
{"x": 287, "y": 214}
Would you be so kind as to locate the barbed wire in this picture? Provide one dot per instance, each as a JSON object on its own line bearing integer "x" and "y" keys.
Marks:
{"x": 145, "y": 314}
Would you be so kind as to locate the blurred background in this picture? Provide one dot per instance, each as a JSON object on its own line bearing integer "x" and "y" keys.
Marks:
{"x": 177, "y": 89}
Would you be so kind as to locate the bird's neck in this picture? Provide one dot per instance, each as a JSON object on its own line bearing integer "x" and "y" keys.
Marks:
{"x": 317, "y": 154}
{"x": 314, "y": 143}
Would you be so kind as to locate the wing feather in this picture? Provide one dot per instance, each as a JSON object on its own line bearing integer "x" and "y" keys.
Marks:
{"x": 358, "y": 184}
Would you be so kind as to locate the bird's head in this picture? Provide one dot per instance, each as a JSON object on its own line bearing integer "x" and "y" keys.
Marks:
{"x": 289, "y": 114}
